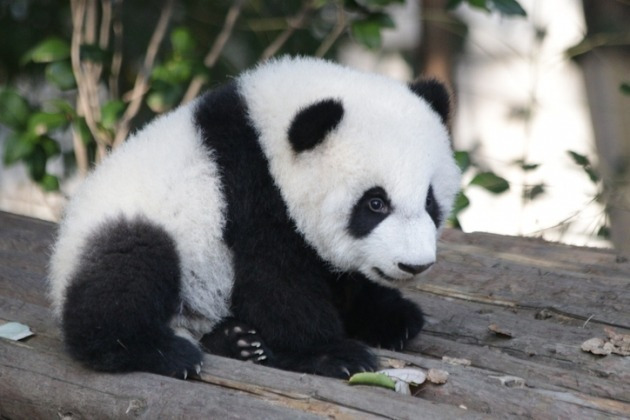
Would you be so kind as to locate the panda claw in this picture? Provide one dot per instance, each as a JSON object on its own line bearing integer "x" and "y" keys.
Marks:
{"x": 261, "y": 358}
{"x": 256, "y": 344}
{"x": 185, "y": 374}
{"x": 346, "y": 371}
{"x": 252, "y": 332}
{"x": 198, "y": 368}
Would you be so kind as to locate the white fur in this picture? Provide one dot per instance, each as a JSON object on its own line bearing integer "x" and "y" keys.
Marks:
{"x": 388, "y": 137}
{"x": 163, "y": 174}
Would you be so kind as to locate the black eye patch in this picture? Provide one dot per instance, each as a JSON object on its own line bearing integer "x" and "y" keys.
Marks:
{"x": 371, "y": 209}
{"x": 432, "y": 207}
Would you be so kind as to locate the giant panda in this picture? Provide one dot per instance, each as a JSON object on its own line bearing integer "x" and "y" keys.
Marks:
{"x": 269, "y": 220}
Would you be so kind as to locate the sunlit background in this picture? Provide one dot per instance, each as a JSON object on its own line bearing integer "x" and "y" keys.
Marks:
{"x": 520, "y": 109}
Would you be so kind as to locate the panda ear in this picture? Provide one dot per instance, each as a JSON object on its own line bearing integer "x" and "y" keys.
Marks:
{"x": 311, "y": 124}
{"x": 436, "y": 94}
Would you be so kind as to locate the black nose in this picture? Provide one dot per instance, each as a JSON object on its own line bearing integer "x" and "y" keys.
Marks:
{"x": 413, "y": 269}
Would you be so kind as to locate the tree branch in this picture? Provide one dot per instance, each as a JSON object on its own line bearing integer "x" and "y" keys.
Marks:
{"x": 141, "y": 85}
{"x": 294, "y": 23}
{"x": 336, "y": 32}
{"x": 117, "y": 57}
{"x": 215, "y": 52}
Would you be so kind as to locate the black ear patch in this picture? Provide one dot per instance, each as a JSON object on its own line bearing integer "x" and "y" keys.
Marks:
{"x": 436, "y": 94}
{"x": 311, "y": 124}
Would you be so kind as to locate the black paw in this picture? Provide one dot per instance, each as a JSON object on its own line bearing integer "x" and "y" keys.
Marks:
{"x": 337, "y": 360}
{"x": 392, "y": 326}
{"x": 235, "y": 339}
{"x": 178, "y": 358}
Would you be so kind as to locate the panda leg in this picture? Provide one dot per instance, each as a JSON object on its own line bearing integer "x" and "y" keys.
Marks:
{"x": 120, "y": 300}
{"x": 338, "y": 359}
{"x": 376, "y": 314}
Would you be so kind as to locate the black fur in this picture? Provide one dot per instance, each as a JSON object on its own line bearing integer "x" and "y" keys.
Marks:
{"x": 282, "y": 287}
{"x": 363, "y": 220}
{"x": 311, "y": 124}
{"x": 375, "y": 314}
{"x": 436, "y": 94}
{"x": 119, "y": 302}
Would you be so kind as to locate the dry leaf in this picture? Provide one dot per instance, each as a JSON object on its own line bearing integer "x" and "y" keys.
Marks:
{"x": 392, "y": 363}
{"x": 500, "y": 331}
{"x": 620, "y": 342}
{"x": 455, "y": 361}
{"x": 15, "y": 331}
{"x": 597, "y": 346}
{"x": 511, "y": 381}
{"x": 437, "y": 376}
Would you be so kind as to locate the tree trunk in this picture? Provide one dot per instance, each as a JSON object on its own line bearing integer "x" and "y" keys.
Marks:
{"x": 605, "y": 66}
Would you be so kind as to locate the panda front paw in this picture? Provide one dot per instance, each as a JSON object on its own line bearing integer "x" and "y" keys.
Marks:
{"x": 237, "y": 340}
{"x": 340, "y": 359}
{"x": 396, "y": 326}
{"x": 387, "y": 323}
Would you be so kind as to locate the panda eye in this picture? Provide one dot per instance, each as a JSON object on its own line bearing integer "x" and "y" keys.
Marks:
{"x": 377, "y": 205}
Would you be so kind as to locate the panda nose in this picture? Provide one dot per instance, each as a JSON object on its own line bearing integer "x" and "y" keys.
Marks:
{"x": 413, "y": 269}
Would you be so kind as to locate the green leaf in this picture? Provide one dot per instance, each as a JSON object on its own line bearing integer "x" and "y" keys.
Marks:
{"x": 452, "y": 4}
{"x": 82, "y": 129}
{"x": 47, "y": 51}
{"x": 526, "y": 166}
{"x": 36, "y": 163}
{"x": 531, "y": 192}
{"x": 463, "y": 160}
{"x": 461, "y": 202}
{"x": 44, "y": 122}
{"x": 49, "y": 183}
{"x": 173, "y": 72}
{"x": 62, "y": 106}
{"x": 578, "y": 158}
{"x": 182, "y": 41}
{"x": 111, "y": 113}
{"x": 378, "y": 4}
{"x": 508, "y": 7}
{"x": 60, "y": 74}
{"x": 625, "y": 88}
{"x": 592, "y": 174}
{"x": 368, "y": 31}
{"x": 490, "y": 182}
{"x": 50, "y": 146}
{"x": 372, "y": 378}
{"x": 94, "y": 53}
{"x": 14, "y": 109}
{"x": 164, "y": 99}
{"x": 17, "y": 147}
{"x": 479, "y": 4}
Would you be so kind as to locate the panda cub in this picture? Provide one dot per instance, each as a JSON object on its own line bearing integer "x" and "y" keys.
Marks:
{"x": 267, "y": 220}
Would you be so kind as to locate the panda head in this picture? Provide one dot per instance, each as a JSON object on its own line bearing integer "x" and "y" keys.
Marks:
{"x": 363, "y": 162}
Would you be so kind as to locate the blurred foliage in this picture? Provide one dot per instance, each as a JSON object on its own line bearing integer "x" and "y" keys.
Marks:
{"x": 91, "y": 53}
{"x": 36, "y": 41}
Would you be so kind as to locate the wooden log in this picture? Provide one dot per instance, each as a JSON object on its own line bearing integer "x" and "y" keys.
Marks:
{"x": 47, "y": 385}
{"x": 538, "y": 370}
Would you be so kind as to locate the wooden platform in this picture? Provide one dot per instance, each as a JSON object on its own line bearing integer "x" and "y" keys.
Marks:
{"x": 542, "y": 300}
